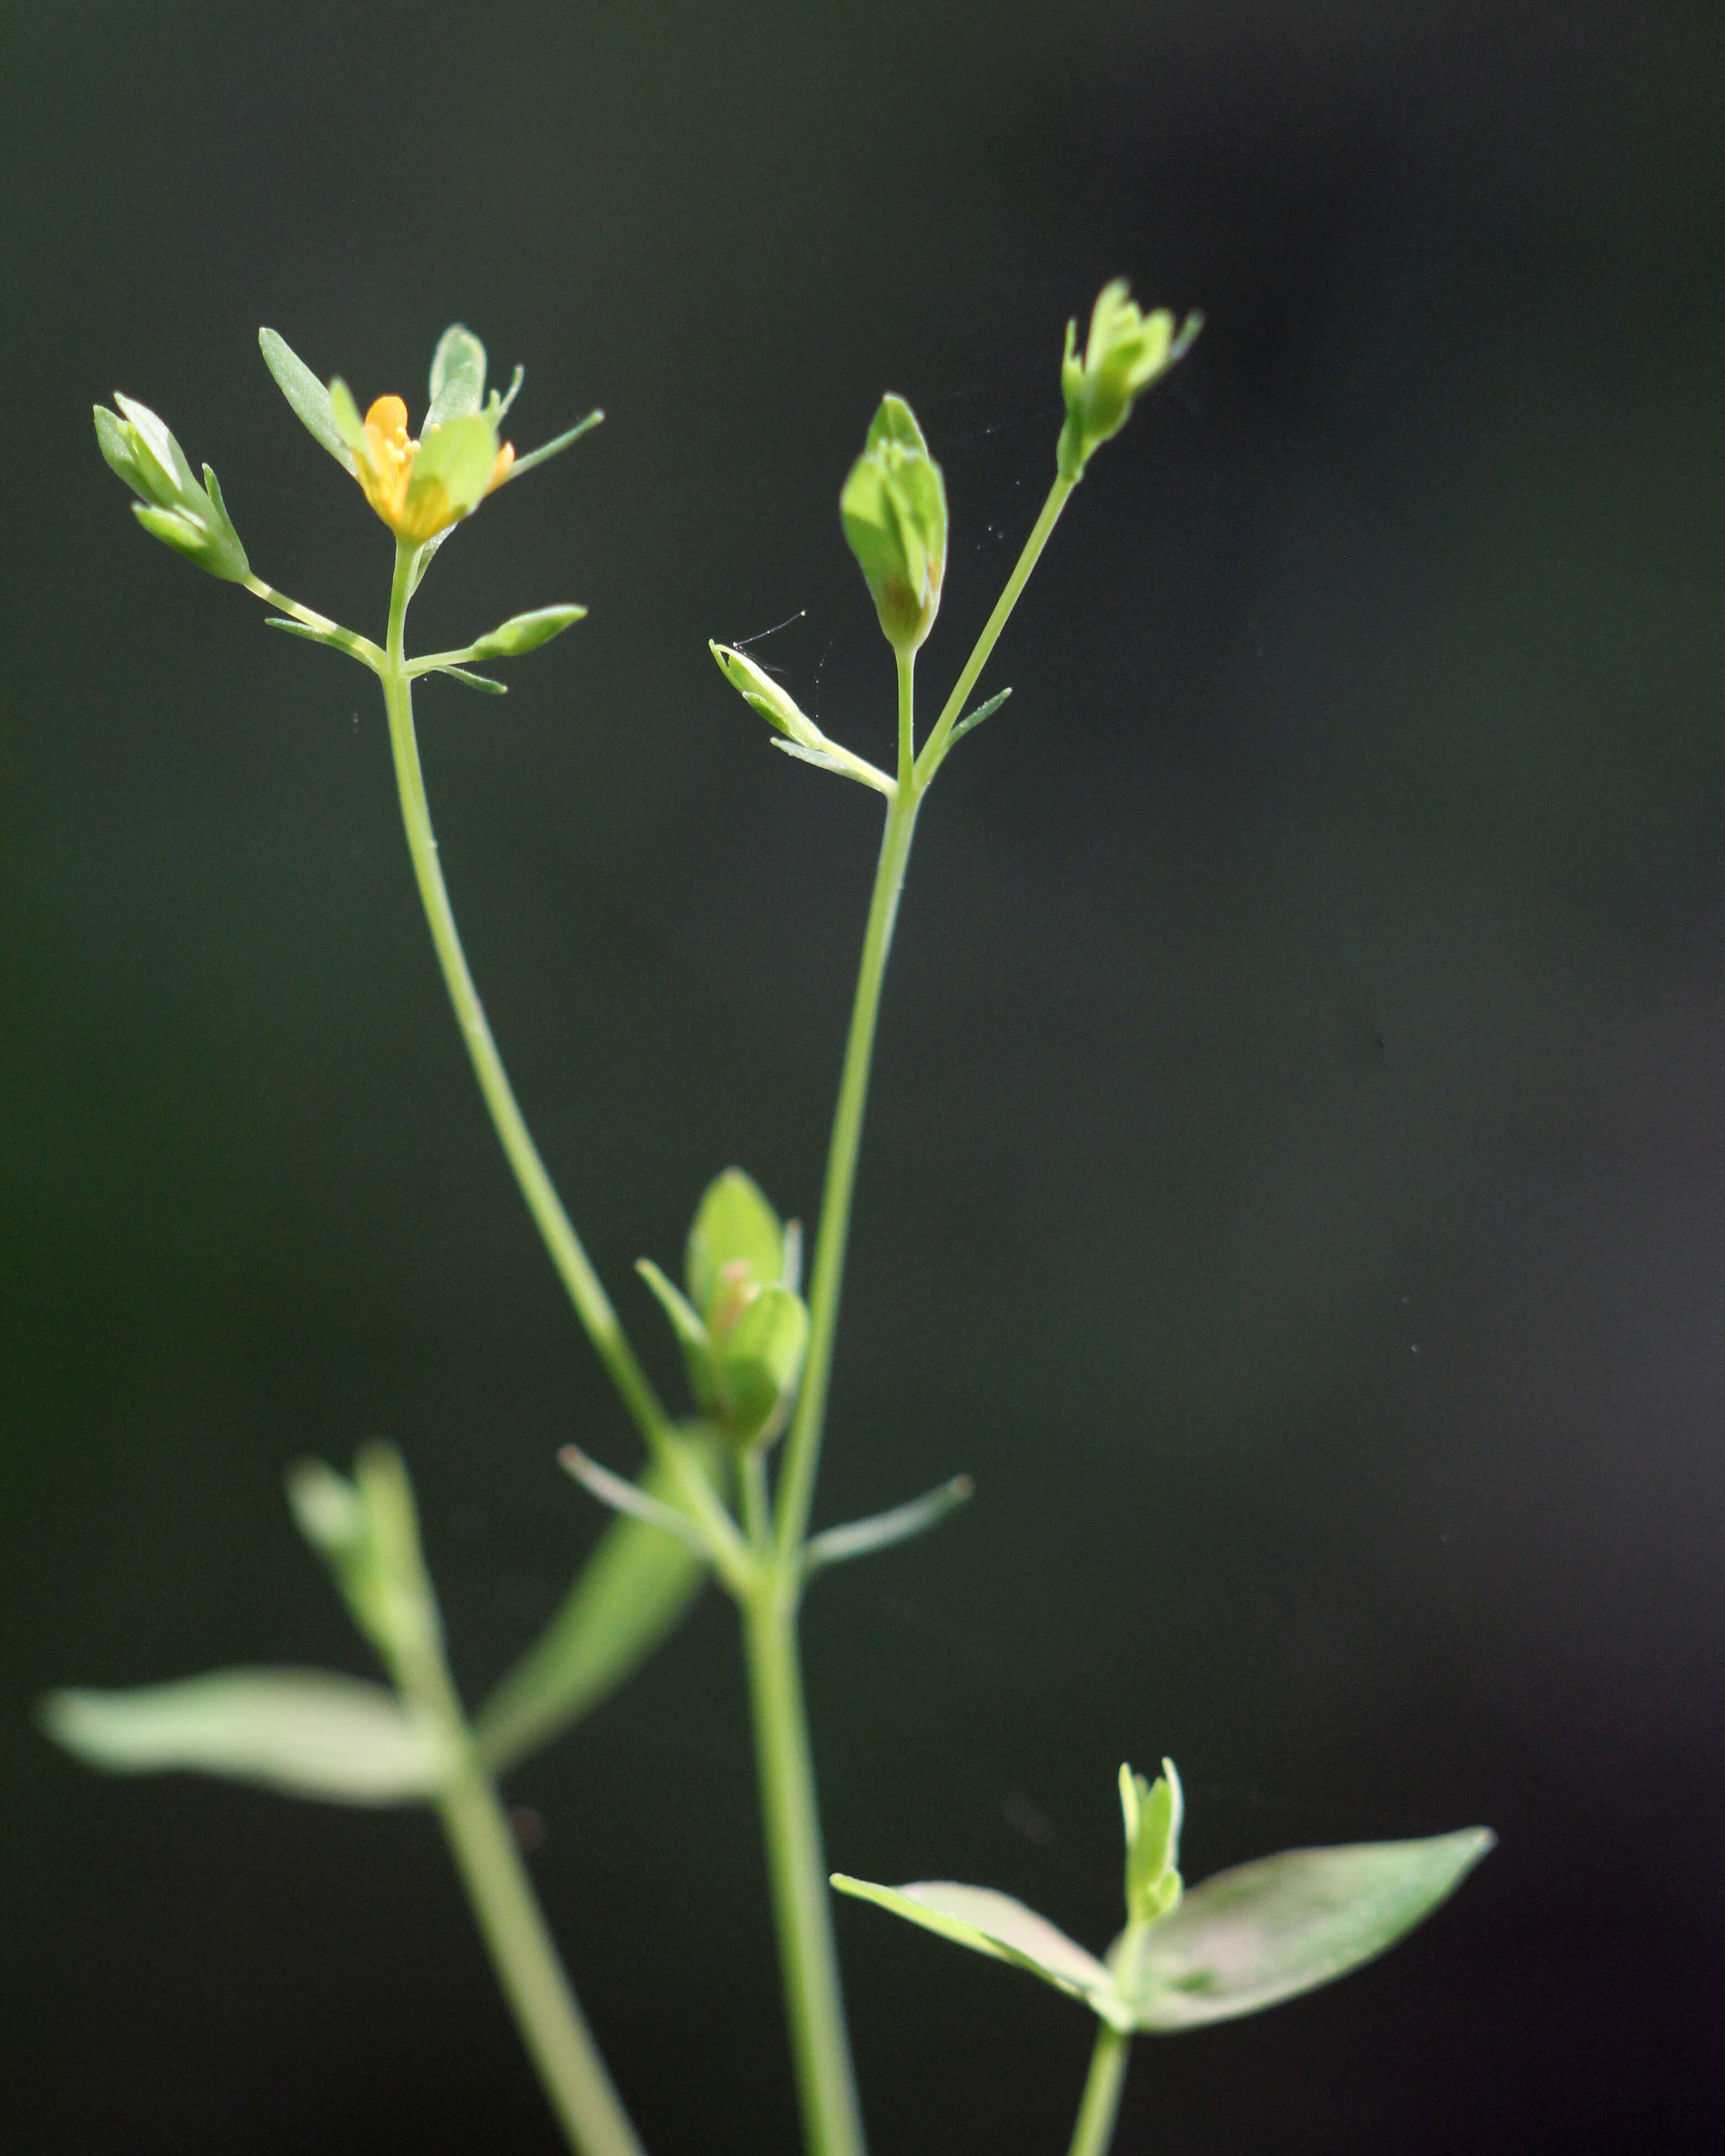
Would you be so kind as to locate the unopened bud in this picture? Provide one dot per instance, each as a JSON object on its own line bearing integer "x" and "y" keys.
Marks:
{"x": 894, "y": 509}
{"x": 1126, "y": 352}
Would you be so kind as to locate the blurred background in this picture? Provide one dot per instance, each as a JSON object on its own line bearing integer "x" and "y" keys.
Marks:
{"x": 1295, "y": 1185}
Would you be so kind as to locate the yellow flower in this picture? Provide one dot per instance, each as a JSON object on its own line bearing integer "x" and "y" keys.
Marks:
{"x": 420, "y": 488}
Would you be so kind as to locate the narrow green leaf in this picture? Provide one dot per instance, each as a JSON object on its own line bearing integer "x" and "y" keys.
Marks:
{"x": 993, "y": 1924}
{"x": 685, "y": 1322}
{"x": 862, "y": 1537}
{"x": 691, "y": 1334}
{"x": 423, "y": 559}
{"x": 841, "y": 763}
{"x": 972, "y": 719}
{"x": 497, "y": 407}
{"x": 1250, "y": 1937}
{"x": 630, "y": 1498}
{"x": 633, "y": 1591}
{"x": 554, "y": 448}
{"x": 527, "y": 632}
{"x": 305, "y": 629}
{"x": 473, "y": 680}
{"x": 458, "y": 376}
{"x": 305, "y": 1732}
{"x": 308, "y": 396}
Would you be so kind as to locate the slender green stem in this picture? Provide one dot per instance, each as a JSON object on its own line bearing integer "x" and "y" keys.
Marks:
{"x": 936, "y": 746}
{"x": 814, "y": 2003}
{"x": 546, "y": 2010}
{"x": 802, "y": 1456}
{"x": 585, "y": 1290}
{"x": 1100, "y": 2106}
{"x": 756, "y": 1501}
{"x": 359, "y": 647}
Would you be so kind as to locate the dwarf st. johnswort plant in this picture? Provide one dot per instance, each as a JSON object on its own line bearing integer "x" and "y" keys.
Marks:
{"x": 757, "y": 1350}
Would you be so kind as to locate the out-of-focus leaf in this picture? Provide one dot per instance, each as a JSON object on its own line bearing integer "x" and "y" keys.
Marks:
{"x": 1248, "y": 1938}
{"x": 305, "y": 1732}
{"x": 994, "y": 1924}
{"x": 633, "y": 1592}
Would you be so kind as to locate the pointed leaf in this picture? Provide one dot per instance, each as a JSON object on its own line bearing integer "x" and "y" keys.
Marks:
{"x": 458, "y": 376}
{"x": 841, "y": 763}
{"x": 628, "y": 1497}
{"x": 993, "y": 1924}
{"x": 336, "y": 639}
{"x": 691, "y": 1333}
{"x": 972, "y": 719}
{"x": 1250, "y": 1937}
{"x": 305, "y": 1732}
{"x": 308, "y": 396}
{"x": 497, "y": 407}
{"x": 554, "y": 448}
{"x": 473, "y": 680}
{"x": 527, "y": 632}
{"x": 862, "y": 1537}
{"x": 633, "y": 1592}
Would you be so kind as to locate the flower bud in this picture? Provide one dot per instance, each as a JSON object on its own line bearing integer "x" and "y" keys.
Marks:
{"x": 1152, "y": 1813}
{"x": 894, "y": 509}
{"x": 171, "y": 506}
{"x": 757, "y": 688}
{"x": 753, "y": 1325}
{"x": 1125, "y": 353}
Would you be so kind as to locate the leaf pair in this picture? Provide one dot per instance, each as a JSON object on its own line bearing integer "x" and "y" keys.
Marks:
{"x": 316, "y": 1734}
{"x": 1244, "y": 1940}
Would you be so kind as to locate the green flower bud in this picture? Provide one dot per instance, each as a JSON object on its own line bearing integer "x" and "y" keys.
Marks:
{"x": 1152, "y": 1813}
{"x": 735, "y": 1233}
{"x": 171, "y": 506}
{"x": 527, "y": 632}
{"x": 1125, "y": 353}
{"x": 894, "y": 509}
{"x": 753, "y": 1327}
{"x": 757, "y": 689}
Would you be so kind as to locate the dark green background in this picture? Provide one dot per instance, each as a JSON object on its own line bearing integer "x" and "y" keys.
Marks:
{"x": 1295, "y": 1181}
